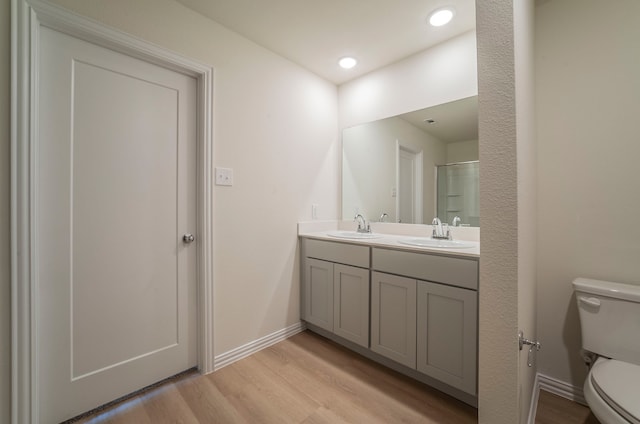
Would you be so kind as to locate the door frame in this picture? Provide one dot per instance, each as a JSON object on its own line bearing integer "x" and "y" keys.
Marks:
{"x": 27, "y": 17}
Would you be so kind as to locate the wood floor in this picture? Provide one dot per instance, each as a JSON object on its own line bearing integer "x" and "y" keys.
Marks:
{"x": 554, "y": 409}
{"x": 308, "y": 379}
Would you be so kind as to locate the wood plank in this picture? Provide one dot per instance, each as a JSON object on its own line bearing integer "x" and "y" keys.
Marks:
{"x": 325, "y": 383}
{"x": 165, "y": 405}
{"x": 432, "y": 405}
{"x": 269, "y": 398}
{"x": 309, "y": 379}
{"x": 206, "y": 401}
{"x": 129, "y": 411}
{"x": 553, "y": 409}
{"x": 228, "y": 380}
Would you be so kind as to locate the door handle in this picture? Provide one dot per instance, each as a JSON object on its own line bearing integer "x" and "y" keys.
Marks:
{"x": 590, "y": 301}
{"x": 188, "y": 238}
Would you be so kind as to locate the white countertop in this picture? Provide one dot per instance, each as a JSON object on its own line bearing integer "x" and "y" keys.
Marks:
{"x": 320, "y": 230}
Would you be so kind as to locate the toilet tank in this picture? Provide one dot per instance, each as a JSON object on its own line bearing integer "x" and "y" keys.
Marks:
{"x": 609, "y": 318}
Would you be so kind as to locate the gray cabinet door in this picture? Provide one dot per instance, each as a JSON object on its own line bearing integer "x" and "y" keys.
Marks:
{"x": 447, "y": 334}
{"x": 393, "y": 317}
{"x": 351, "y": 303}
{"x": 318, "y": 293}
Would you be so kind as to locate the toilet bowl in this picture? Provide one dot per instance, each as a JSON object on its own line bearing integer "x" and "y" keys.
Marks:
{"x": 610, "y": 324}
{"x": 612, "y": 391}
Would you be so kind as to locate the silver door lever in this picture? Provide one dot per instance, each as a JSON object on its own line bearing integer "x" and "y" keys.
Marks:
{"x": 533, "y": 344}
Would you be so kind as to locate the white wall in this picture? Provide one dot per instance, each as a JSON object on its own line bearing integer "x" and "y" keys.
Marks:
{"x": 588, "y": 98}
{"x": 441, "y": 74}
{"x": 5, "y": 269}
{"x": 369, "y": 167}
{"x": 462, "y": 151}
{"x": 527, "y": 194}
{"x": 369, "y": 170}
{"x": 275, "y": 125}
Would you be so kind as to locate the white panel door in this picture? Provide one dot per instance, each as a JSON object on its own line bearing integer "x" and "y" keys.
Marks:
{"x": 406, "y": 189}
{"x": 116, "y": 177}
{"x": 409, "y": 182}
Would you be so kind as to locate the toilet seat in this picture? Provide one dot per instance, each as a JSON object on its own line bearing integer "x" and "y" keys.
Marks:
{"x": 617, "y": 383}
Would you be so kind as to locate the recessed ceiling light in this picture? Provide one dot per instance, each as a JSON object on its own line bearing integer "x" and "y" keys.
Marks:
{"x": 441, "y": 16}
{"x": 347, "y": 62}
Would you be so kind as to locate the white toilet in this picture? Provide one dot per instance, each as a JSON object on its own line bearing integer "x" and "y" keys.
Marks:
{"x": 610, "y": 322}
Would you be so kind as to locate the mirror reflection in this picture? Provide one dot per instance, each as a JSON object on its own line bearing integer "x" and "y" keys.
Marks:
{"x": 458, "y": 193}
{"x": 390, "y": 167}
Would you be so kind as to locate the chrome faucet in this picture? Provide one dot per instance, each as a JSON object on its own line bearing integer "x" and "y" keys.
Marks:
{"x": 440, "y": 231}
{"x": 383, "y": 216}
{"x": 456, "y": 221}
{"x": 363, "y": 227}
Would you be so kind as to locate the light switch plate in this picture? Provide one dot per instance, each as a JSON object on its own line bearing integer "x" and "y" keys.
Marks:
{"x": 224, "y": 176}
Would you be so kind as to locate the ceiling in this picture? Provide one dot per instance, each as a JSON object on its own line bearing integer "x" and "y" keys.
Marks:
{"x": 453, "y": 121}
{"x": 315, "y": 34}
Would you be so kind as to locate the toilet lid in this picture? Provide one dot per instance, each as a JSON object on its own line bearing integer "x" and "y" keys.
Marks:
{"x": 618, "y": 383}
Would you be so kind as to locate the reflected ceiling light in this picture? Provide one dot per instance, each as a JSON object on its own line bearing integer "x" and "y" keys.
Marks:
{"x": 441, "y": 16}
{"x": 347, "y": 62}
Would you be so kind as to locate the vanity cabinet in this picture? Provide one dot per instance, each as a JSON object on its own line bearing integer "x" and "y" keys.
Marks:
{"x": 319, "y": 293}
{"x": 393, "y": 317}
{"x": 351, "y": 303}
{"x": 413, "y": 311}
{"x": 447, "y": 334}
{"x": 336, "y": 295}
{"x": 427, "y": 318}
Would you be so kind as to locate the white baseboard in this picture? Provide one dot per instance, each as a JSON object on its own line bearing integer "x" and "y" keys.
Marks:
{"x": 561, "y": 388}
{"x": 248, "y": 349}
{"x": 556, "y": 387}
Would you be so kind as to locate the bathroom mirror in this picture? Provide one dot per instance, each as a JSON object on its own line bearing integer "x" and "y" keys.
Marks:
{"x": 390, "y": 166}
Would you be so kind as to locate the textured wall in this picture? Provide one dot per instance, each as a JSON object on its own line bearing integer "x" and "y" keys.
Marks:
{"x": 498, "y": 360}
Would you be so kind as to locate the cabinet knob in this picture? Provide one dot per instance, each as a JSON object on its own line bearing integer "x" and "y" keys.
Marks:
{"x": 188, "y": 238}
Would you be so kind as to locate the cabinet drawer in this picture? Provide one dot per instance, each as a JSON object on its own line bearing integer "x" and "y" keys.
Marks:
{"x": 343, "y": 253}
{"x": 441, "y": 269}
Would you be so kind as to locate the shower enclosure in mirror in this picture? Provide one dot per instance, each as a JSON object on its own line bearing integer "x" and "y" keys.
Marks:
{"x": 389, "y": 166}
{"x": 459, "y": 193}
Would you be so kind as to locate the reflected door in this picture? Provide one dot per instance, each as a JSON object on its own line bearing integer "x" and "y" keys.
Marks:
{"x": 409, "y": 192}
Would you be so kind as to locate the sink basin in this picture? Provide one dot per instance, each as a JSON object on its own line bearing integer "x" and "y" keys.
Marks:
{"x": 353, "y": 235}
{"x": 442, "y": 244}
